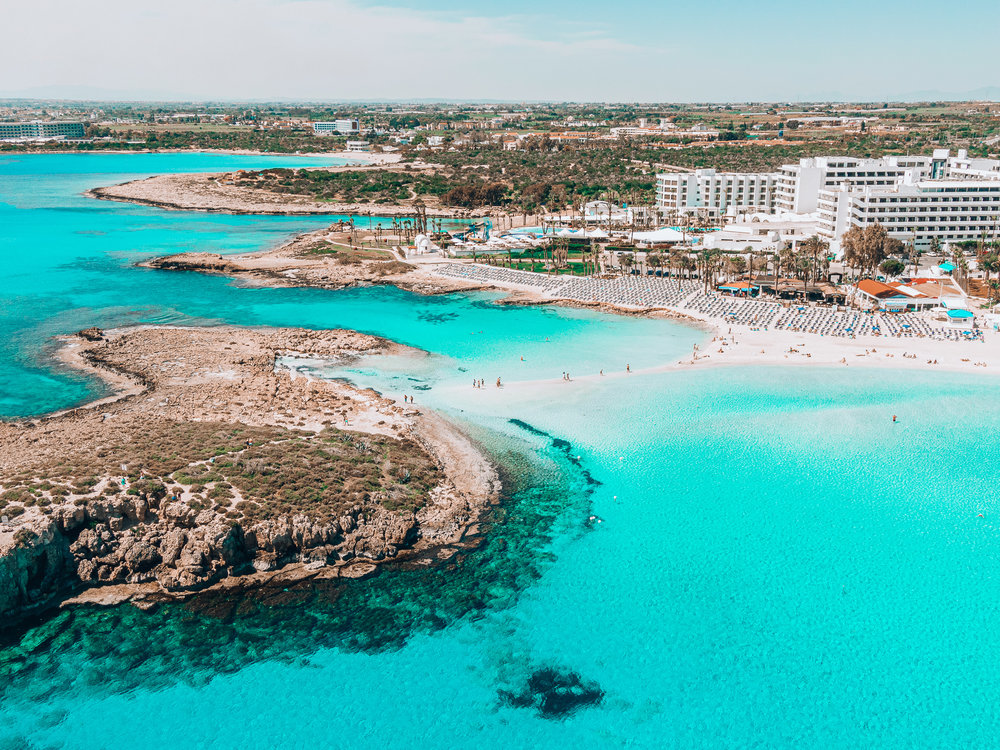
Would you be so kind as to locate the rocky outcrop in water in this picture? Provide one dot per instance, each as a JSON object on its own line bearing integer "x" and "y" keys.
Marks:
{"x": 554, "y": 693}
{"x": 215, "y": 463}
{"x": 35, "y": 563}
{"x": 146, "y": 539}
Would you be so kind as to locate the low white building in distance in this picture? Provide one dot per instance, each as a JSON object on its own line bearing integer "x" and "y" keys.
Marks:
{"x": 664, "y": 130}
{"x": 602, "y": 212}
{"x": 358, "y": 146}
{"x": 337, "y": 127}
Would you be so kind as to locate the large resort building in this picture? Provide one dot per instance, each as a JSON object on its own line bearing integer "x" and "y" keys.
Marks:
{"x": 337, "y": 127}
{"x": 40, "y": 129}
{"x": 798, "y": 185}
{"x": 921, "y": 211}
{"x": 712, "y": 194}
{"x": 916, "y": 198}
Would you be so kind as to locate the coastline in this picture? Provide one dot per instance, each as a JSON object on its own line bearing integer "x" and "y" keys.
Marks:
{"x": 296, "y": 263}
{"x": 210, "y": 193}
{"x": 779, "y": 347}
{"x": 362, "y": 156}
{"x": 730, "y": 343}
{"x": 96, "y": 543}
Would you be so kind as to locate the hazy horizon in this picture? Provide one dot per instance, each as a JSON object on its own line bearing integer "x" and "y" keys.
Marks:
{"x": 445, "y": 50}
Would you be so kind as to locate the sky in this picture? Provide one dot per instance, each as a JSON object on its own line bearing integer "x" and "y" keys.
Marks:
{"x": 516, "y": 50}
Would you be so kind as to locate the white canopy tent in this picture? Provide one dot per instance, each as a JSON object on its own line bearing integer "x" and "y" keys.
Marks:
{"x": 663, "y": 234}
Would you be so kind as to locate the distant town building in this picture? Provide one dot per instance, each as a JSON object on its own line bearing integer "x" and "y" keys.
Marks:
{"x": 357, "y": 146}
{"x": 337, "y": 127}
{"x": 665, "y": 129}
{"x": 41, "y": 129}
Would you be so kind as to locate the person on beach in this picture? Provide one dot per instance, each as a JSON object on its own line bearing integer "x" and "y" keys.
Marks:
{"x": 628, "y": 368}
{"x": 498, "y": 382}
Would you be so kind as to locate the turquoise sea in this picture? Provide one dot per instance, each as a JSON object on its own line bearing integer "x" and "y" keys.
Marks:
{"x": 737, "y": 557}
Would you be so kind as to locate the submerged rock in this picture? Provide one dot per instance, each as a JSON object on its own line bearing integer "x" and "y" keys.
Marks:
{"x": 554, "y": 693}
{"x": 91, "y": 334}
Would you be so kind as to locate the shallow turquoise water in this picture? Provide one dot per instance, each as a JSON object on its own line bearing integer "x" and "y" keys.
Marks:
{"x": 773, "y": 562}
{"x": 66, "y": 259}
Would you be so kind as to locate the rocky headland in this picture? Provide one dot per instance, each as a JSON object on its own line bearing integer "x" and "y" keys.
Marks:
{"x": 209, "y": 464}
{"x": 219, "y": 193}
{"x": 325, "y": 259}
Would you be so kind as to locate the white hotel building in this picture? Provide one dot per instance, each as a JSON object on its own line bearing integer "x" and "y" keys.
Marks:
{"x": 799, "y": 185}
{"x": 916, "y": 198}
{"x": 949, "y": 210}
{"x": 337, "y": 127}
{"x": 709, "y": 193}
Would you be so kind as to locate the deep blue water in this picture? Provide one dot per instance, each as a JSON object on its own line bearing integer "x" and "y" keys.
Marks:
{"x": 772, "y": 562}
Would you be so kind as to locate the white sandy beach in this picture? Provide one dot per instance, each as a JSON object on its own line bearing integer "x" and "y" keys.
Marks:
{"x": 734, "y": 344}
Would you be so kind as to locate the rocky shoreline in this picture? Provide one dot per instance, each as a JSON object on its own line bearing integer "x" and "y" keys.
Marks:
{"x": 213, "y": 466}
{"x": 295, "y": 265}
{"x": 323, "y": 259}
{"x": 215, "y": 193}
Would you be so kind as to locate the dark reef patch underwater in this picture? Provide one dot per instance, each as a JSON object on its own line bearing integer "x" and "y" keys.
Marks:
{"x": 547, "y": 494}
{"x": 554, "y": 693}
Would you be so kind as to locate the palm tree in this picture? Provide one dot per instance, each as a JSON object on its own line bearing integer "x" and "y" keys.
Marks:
{"x": 677, "y": 260}
{"x": 654, "y": 261}
{"x": 687, "y": 265}
{"x": 735, "y": 265}
{"x": 707, "y": 262}
{"x": 788, "y": 257}
{"x": 990, "y": 263}
{"x": 852, "y": 244}
{"x": 626, "y": 261}
{"x": 813, "y": 246}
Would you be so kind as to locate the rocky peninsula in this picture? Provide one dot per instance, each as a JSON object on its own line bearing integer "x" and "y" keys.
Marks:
{"x": 326, "y": 259}
{"x": 209, "y": 464}
{"x": 221, "y": 193}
